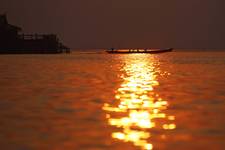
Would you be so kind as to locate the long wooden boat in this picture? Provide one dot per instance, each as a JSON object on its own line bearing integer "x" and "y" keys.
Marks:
{"x": 128, "y": 51}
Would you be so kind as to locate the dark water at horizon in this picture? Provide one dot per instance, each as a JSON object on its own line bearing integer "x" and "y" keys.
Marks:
{"x": 98, "y": 101}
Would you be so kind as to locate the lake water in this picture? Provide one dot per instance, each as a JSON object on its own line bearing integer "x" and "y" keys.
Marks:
{"x": 98, "y": 101}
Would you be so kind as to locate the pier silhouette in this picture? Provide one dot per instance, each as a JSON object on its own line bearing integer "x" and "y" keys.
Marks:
{"x": 14, "y": 42}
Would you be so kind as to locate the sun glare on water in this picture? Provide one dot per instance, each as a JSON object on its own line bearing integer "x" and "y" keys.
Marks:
{"x": 138, "y": 105}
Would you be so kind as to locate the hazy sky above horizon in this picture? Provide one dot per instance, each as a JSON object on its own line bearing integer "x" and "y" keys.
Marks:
{"x": 123, "y": 23}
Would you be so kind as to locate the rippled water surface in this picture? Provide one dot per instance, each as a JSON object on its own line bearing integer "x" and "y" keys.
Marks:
{"x": 97, "y": 101}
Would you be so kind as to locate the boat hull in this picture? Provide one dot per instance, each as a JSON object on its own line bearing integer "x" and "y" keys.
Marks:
{"x": 150, "y": 51}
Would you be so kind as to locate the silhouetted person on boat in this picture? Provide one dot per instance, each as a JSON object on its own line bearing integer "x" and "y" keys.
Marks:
{"x": 112, "y": 49}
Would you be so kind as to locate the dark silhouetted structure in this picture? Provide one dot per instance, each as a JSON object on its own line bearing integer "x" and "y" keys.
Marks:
{"x": 11, "y": 42}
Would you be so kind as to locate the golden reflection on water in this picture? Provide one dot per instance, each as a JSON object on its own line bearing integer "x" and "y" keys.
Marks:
{"x": 138, "y": 105}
